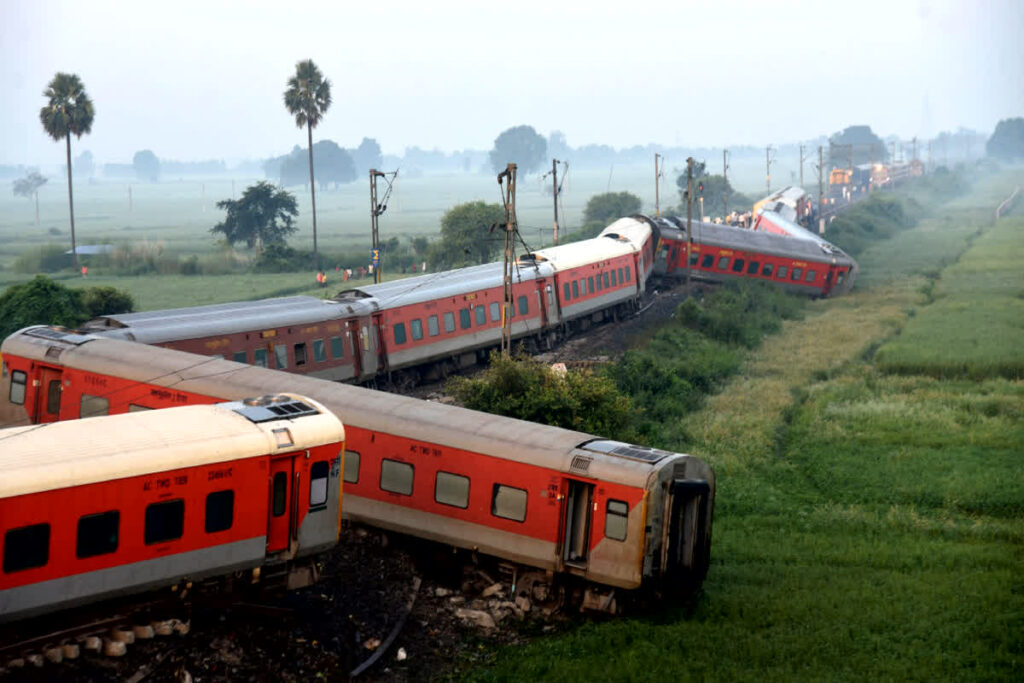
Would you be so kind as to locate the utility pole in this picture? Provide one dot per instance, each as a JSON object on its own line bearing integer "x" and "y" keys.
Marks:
{"x": 658, "y": 169}
{"x": 130, "y": 207}
{"x": 850, "y": 146}
{"x": 689, "y": 216}
{"x": 377, "y": 208}
{"x": 768, "y": 168}
{"x": 556, "y": 190}
{"x": 821, "y": 192}
{"x": 509, "y": 197}
{"x": 801, "y": 165}
{"x": 913, "y": 147}
{"x": 725, "y": 185}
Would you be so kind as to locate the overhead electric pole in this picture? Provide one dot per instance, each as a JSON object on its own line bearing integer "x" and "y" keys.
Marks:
{"x": 556, "y": 189}
{"x": 725, "y": 185}
{"x": 689, "y": 216}
{"x": 507, "y": 180}
{"x": 658, "y": 170}
{"x": 801, "y": 166}
{"x": 377, "y": 208}
{"x": 768, "y": 168}
{"x": 821, "y": 191}
{"x": 913, "y": 148}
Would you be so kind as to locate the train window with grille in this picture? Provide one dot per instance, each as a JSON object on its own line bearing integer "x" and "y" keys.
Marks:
{"x": 616, "y": 519}
{"x": 575, "y": 289}
{"x": 319, "y": 473}
{"x": 508, "y": 502}
{"x": 567, "y": 291}
{"x": 93, "y": 406}
{"x": 590, "y": 284}
{"x": 351, "y": 469}
{"x": 26, "y": 547}
{"x": 512, "y": 310}
{"x": 165, "y": 521}
{"x": 694, "y": 258}
{"x": 416, "y": 327}
{"x": 18, "y": 381}
{"x": 811, "y": 275}
{"x": 767, "y": 270}
{"x": 399, "y": 330}
{"x": 737, "y": 265}
{"x": 259, "y": 358}
{"x": 605, "y": 276}
{"x": 615, "y": 281}
{"x": 839, "y": 277}
{"x": 599, "y": 285}
{"x": 452, "y": 489}
{"x": 281, "y": 356}
{"x": 465, "y": 319}
{"x": 583, "y": 286}
{"x": 220, "y": 511}
{"x": 524, "y": 305}
{"x": 97, "y": 534}
{"x": 432, "y": 326}
{"x": 396, "y": 477}
{"x": 708, "y": 261}
{"x": 627, "y": 274}
{"x": 796, "y": 274}
{"x": 481, "y": 315}
{"x": 337, "y": 347}
{"x": 495, "y": 311}
{"x": 279, "y": 494}
{"x": 622, "y": 278}
{"x": 752, "y": 267}
{"x": 240, "y": 357}
{"x": 319, "y": 352}
{"x": 449, "y": 322}
{"x": 53, "y": 390}
{"x": 300, "y": 353}
{"x": 781, "y": 272}
{"x": 723, "y": 262}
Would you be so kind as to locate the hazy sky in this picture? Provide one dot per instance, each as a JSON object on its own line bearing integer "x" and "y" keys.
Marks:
{"x": 202, "y": 80}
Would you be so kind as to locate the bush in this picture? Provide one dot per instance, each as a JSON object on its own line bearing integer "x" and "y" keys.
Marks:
{"x": 98, "y": 301}
{"x": 48, "y": 258}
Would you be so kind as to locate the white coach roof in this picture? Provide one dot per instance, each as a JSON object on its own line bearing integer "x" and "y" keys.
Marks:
{"x": 78, "y": 452}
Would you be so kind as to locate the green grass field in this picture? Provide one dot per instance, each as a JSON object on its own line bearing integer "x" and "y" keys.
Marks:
{"x": 868, "y": 526}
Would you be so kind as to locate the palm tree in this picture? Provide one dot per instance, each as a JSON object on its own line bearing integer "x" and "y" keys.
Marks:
{"x": 68, "y": 111}
{"x": 308, "y": 96}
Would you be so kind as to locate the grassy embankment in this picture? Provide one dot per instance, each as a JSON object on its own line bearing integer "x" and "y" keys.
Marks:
{"x": 868, "y": 525}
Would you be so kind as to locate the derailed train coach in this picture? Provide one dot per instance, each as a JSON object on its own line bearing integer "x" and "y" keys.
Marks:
{"x": 568, "y": 512}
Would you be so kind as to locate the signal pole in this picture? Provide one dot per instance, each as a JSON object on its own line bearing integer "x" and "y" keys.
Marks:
{"x": 658, "y": 170}
{"x": 689, "y": 216}
{"x": 507, "y": 180}
{"x": 725, "y": 185}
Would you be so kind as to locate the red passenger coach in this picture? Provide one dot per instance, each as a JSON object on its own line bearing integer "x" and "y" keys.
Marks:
{"x": 109, "y": 506}
{"x": 564, "y": 508}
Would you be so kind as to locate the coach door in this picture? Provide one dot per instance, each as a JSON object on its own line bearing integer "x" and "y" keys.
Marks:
{"x": 281, "y": 518}
{"x": 352, "y": 325}
{"x": 577, "y": 517}
{"x": 48, "y": 395}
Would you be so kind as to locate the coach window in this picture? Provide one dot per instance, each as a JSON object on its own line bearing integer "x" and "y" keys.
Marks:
{"x": 240, "y": 357}
{"x": 26, "y": 547}
{"x": 707, "y": 261}
{"x": 281, "y": 356}
{"x": 220, "y": 511}
{"x": 781, "y": 272}
{"x": 416, "y": 327}
{"x": 693, "y": 259}
{"x": 452, "y": 489}
{"x": 737, "y": 265}
{"x": 319, "y": 352}
{"x": 583, "y": 286}
{"x": 616, "y": 517}
{"x": 279, "y": 494}
{"x": 259, "y": 358}
{"x": 495, "y": 311}
{"x": 465, "y": 319}
{"x": 432, "y": 326}
{"x": 93, "y": 406}
{"x": 605, "y": 280}
{"x": 318, "y": 475}
{"x": 615, "y": 282}
{"x": 627, "y": 273}
{"x": 568, "y": 292}
{"x": 797, "y": 274}
{"x": 53, "y": 390}
{"x": 752, "y": 267}
{"x": 351, "y": 469}
{"x": 723, "y": 262}
{"x": 575, "y": 289}
{"x": 551, "y": 295}
{"x": 481, "y": 315}
{"x": 767, "y": 270}
{"x": 165, "y": 521}
{"x": 598, "y": 278}
{"x": 512, "y": 310}
{"x": 449, "y": 322}
{"x": 300, "y": 353}
{"x": 524, "y": 305}
{"x": 508, "y": 502}
{"x": 590, "y": 284}
{"x": 18, "y": 381}
{"x": 622, "y": 278}
{"x": 399, "y": 331}
{"x": 97, "y": 534}
{"x": 337, "y": 347}
{"x": 396, "y": 477}
{"x": 811, "y": 275}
